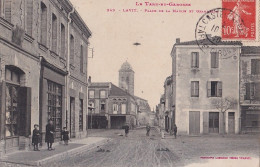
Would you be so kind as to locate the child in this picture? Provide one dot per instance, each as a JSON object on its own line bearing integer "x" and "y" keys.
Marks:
{"x": 36, "y": 137}
{"x": 65, "y": 136}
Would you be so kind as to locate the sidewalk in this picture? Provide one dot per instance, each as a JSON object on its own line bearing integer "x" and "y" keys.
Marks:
{"x": 38, "y": 158}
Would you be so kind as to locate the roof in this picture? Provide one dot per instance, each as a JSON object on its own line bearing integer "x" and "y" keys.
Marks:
{"x": 126, "y": 67}
{"x": 250, "y": 50}
{"x": 99, "y": 84}
{"x": 208, "y": 42}
{"x": 116, "y": 91}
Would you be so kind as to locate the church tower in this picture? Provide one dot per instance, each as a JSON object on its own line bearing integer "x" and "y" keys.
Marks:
{"x": 126, "y": 78}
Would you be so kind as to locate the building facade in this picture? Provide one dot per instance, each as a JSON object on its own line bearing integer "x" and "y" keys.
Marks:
{"x": 112, "y": 106}
{"x": 43, "y": 58}
{"x": 203, "y": 79}
{"x": 249, "y": 89}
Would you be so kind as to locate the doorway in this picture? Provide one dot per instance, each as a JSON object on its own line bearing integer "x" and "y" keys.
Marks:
{"x": 231, "y": 122}
{"x": 194, "y": 123}
{"x": 72, "y": 117}
{"x": 213, "y": 122}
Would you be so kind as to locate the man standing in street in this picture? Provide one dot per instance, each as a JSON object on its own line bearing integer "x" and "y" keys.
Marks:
{"x": 49, "y": 136}
{"x": 148, "y": 128}
{"x": 175, "y": 130}
{"x": 126, "y": 130}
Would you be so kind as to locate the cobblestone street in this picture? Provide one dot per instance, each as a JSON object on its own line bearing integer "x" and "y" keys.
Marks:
{"x": 138, "y": 150}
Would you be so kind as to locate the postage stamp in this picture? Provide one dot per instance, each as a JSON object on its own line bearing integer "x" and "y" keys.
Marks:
{"x": 239, "y": 19}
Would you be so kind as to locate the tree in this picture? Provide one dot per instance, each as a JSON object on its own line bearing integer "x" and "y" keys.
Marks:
{"x": 223, "y": 105}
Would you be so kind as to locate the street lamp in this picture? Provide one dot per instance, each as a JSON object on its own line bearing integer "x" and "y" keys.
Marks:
{"x": 91, "y": 109}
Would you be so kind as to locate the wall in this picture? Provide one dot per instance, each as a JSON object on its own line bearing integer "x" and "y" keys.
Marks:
{"x": 228, "y": 68}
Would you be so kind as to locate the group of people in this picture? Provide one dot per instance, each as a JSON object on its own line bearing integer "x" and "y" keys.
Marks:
{"x": 49, "y": 136}
{"x": 148, "y": 128}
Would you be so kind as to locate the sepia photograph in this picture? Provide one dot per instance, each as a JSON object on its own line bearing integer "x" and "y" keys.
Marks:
{"x": 130, "y": 83}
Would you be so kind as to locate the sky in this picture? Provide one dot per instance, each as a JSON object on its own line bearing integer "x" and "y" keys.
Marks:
{"x": 113, "y": 35}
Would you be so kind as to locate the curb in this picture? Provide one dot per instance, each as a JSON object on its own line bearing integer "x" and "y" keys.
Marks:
{"x": 63, "y": 155}
{"x": 71, "y": 152}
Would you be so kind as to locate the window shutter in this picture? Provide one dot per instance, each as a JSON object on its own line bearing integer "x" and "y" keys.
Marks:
{"x": 219, "y": 88}
{"x": 8, "y": 10}
{"x": 29, "y": 17}
{"x": 192, "y": 59}
{"x": 81, "y": 58}
{"x": 253, "y": 66}
{"x": 2, "y": 109}
{"x": 197, "y": 59}
{"x": 43, "y": 24}
{"x": 192, "y": 89}
{"x": 212, "y": 59}
{"x": 252, "y": 91}
{"x": 62, "y": 41}
{"x": 209, "y": 89}
{"x": 217, "y": 60}
{"x": 71, "y": 49}
{"x": 247, "y": 96}
{"x": 25, "y": 111}
{"x": 54, "y": 33}
{"x": 197, "y": 89}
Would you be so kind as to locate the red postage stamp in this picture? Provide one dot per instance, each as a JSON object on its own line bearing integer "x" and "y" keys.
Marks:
{"x": 239, "y": 19}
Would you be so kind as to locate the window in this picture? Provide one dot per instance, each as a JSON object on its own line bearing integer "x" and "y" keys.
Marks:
{"x": 123, "y": 109}
{"x": 195, "y": 60}
{"x": 81, "y": 59}
{"x": 214, "y": 89}
{"x": 62, "y": 40}
{"x": 80, "y": 114}
{"x": 115, "y": 108}
{"x": 194, "y": 88}
{"x": 102, "y": 94}
{"x": 8, "y": 10}
{"x": 29, "y": 17}
{"x": 12, "y": 76}
{"x": 43, "y": 24}
{"x": 54, "y": 33}
{"x": 91, "y": 94}
{"x": 255, "y": 66}
{"x": 214, "y": 59}
{"x": 252, "y": 91}
{"x": 71, "y": 49}
{"x": 103, "y": 106}
{"x": 54, "y": 96}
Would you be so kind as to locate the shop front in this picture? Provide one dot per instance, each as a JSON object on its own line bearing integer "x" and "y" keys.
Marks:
{"x": 52, "y": 98}
{"x": 250, "y": 119}
{"x": 15, "y": 110}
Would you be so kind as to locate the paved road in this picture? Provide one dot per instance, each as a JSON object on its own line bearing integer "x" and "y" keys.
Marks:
{"x": 136, "y": 150}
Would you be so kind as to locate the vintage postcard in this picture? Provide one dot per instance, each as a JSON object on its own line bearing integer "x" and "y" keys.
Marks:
{"x": 129, "y": 83}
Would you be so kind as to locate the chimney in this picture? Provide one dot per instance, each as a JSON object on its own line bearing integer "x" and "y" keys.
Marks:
{"x": 178, "y": 40}
{"x": 89, "y": 79}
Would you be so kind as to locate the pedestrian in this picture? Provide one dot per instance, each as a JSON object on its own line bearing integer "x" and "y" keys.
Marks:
{"x": 65, "y": 136}
{"x": 126, "y": 130}
{"x": 148, "y": 128}
{"x": 49, "y": 136}
{"x": 175, "y": 130}
{"x": 36, "y": 137}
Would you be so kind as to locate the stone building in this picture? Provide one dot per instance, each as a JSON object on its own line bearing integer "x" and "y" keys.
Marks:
{"x": 143, "y": 111}
{"x": 250, "y": 89}
{"x": 126, "y": 78}
{"x": 169, "y": 108}
{"x": 113, "y": 106}
{"x": 43, "y": 60}
{"x": 203, "y": 78}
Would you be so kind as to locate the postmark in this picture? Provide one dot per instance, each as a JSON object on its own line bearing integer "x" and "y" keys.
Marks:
{"x": 239, "y": 20}
{"x": 209, "y": 28}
